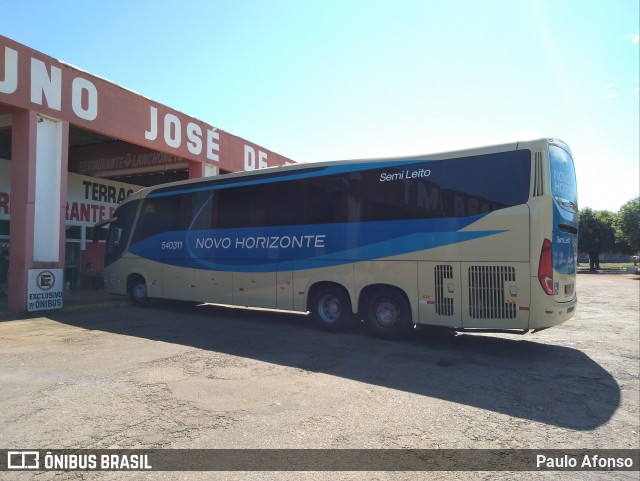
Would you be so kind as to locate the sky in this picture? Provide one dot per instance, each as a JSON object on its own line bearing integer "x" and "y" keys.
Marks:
{"x": 342, "y": 79}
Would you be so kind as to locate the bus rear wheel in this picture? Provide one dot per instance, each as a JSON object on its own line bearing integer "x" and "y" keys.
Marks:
{"x": 388, "y": 314}
{"x": 331, "y": 308}
{"x": 138, "y": 291}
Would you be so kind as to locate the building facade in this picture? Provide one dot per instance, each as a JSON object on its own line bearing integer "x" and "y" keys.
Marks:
{"x": 73, "y": 144}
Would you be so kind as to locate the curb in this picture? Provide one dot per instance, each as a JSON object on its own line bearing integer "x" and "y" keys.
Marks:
{"x": 19, "y": 315}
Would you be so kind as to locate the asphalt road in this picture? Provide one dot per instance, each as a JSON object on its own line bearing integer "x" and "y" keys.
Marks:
{"x": 178, "y": 375}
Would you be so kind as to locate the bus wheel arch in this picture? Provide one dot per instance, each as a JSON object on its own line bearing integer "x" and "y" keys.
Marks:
{"x": 387, "y": 311}
{"x": 137, "y": 290}
{"x": 330, "y": 306}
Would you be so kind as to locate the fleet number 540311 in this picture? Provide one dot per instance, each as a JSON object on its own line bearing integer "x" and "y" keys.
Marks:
{"x": 171, "y": 245}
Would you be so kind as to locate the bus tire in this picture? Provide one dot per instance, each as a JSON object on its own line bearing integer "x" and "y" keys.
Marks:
{"x": 331, "y": 308}
{"x": 137, "y": 289}
{"x": 388, "y": 314}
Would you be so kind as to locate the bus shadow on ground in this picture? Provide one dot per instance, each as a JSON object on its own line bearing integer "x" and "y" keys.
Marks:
{"x": 515, "y": 376}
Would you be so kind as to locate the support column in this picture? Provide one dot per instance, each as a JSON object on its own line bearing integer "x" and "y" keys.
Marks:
{"x": 36, "y": 240}
{"x": 23, "y": 186}
{"x": 64, "y": 176}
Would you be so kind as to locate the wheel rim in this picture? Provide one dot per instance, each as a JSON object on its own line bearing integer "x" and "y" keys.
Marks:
{"x": 388, "y": 313}
{"x": 140, "y": 291}
{"x": 329, "y": 308}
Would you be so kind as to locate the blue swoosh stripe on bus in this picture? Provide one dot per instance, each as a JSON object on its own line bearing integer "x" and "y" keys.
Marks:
{"x": 377, "y": 251}
{"x": 328, "y": 244}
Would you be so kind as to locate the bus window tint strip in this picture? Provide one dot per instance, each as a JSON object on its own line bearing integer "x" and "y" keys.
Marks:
{"x": 393, "y": 191}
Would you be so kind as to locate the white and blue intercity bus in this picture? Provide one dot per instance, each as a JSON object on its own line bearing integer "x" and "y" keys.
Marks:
{"x": 480, "y": 239}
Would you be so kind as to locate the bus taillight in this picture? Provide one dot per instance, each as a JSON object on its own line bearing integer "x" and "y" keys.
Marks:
{"x": 545, "y": 268}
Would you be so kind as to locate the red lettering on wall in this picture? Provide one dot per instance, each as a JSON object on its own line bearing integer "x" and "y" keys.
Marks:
{"x": 84, "y": 212}
{"x": 80, "y": 211}
{"x": 74, "y": 211}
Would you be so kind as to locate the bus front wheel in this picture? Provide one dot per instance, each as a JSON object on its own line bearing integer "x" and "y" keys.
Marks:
{"x": 138, "y": 291}
{"x": 331, "y": 308}
{"x": 388, "y": 314}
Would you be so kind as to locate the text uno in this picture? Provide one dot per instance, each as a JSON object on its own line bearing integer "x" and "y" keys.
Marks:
{"x": 47, "y": 86}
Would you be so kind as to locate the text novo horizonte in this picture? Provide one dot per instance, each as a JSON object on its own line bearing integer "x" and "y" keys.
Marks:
{"x": 262, "y": 242}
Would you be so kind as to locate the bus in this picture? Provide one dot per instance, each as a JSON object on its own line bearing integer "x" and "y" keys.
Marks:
{"x": 482, "y": 239}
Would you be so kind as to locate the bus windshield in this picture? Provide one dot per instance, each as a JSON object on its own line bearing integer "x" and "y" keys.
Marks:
{"x": 120, "y": 231}
{"x": 563, "y": 179}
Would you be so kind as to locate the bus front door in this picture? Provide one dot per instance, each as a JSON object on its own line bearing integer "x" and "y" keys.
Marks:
{"x": 178, "y": 283}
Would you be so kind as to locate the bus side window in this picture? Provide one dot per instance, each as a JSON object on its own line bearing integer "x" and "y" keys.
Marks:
{"x": 148, "y": 221}
{"x": 353, "y": 198}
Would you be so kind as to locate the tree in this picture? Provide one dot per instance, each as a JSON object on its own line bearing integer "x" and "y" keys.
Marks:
{"x": 628, "y": 225}
{"x": 596, "y": 234}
